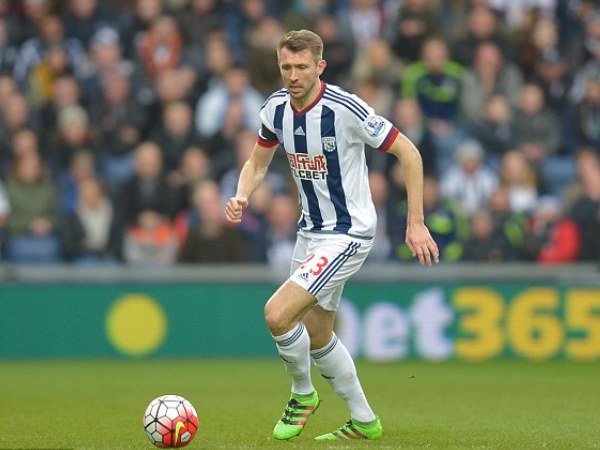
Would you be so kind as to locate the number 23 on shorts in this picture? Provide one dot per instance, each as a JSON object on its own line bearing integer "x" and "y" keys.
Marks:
{"x": 316, "y": 265}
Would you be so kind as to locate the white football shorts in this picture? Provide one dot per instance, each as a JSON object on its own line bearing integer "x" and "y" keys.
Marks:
{"x": 322, "y": 263}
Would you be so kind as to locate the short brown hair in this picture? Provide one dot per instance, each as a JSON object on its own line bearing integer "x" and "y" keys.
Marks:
{"x": 298, "y": 40}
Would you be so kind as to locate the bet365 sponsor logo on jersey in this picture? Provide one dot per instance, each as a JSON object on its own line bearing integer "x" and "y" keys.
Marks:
{"x": 307, "y": 167}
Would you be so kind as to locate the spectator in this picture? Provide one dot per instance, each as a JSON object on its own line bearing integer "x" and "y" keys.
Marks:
{"x": 553, "y": 76}
{"x": 74, "y": 135}
{"x": 552, "y": 238}
{"x": 263, "y": 69}
{"x": 517, "y": 176}
{"x": 338, "y": 52}
{"x": 199, "y": 19}
{"x": 487, "y": 243}
{"x": 435, "y": 82}
{"x": 584, "y": 39}
{"x": 469, "y": 183}
{"x": 509, "y": 223}
{"x": 221, "y": 146}
{"x": 218, "y": 60}
{"x": 118, "y": 121}
{"x": 14, "y": 116}
{"x": 243, "y": 15}
{"x": 170, "y": 86}
{"x": 210, "y": 241}
{"x": 282, "y": 216}
{"x": 586, "y": 208}
{"x": 82, "y": 167}
{"x": 416, "y": 21}
{"x": 516, "y": 14}
{"x": 490, "y": 74}
{"x": 15, "y": 113}
{"x": 535, "y": 123}
{"x": 587, "y": 162}
{"x": 538, "y": 133}
{"x": 444, "y": 219}
{"x": 8, "y": 87}
{"x": 133, "y": 24}
{"x": 65, "y": 93}
{"x": 8, "y": 51}
{"x": 146, "y": 190}
{"x": 151, "y": 241}
{"x": 361, "y": 22}
{"x": 584, "y": 118}
{"x": 83, "y": 18}
{"x": 34, "y": 11}
{"x": 482, "y": 27}
{"x": 541, "y": 43}
{"x": 496, "y": 131}
{"x": 175, "y": 133}
{"x": 160, "y": 47}
{"x": 33, "y": 212}
{"x": 591, "y": 69}
{"x": 105, "y": 59}
{"x": 211, "y": 107}
{"x": 89, "y": 233}
{"x": 378, "y": 64}
{"x": 194, "y": 168}
{"x": 25, "y": 143}
{"x": 34, "y": 50}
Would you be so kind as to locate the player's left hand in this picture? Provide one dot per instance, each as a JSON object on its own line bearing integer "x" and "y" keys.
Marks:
{"x": 421, "y": 244}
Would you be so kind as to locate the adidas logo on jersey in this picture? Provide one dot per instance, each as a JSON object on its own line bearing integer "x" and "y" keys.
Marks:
{"x": 299, "y": 132}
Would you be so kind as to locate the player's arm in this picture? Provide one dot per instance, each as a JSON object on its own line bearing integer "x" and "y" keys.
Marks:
{"x": 418, "y": 238}
{"x": 252, "y": 174}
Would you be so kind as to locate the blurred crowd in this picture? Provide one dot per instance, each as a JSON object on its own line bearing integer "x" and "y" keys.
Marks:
{"x": 124, "y": 125}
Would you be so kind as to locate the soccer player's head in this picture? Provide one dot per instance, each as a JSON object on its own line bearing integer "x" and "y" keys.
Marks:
{"x": 298, "y": 40}
{"x": 300, "y": 56}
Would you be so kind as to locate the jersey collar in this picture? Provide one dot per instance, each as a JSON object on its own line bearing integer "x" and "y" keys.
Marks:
{"x": 312, "y": 104}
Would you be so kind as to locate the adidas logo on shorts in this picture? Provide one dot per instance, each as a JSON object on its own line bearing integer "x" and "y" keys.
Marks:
{"x": 304, "y": 276}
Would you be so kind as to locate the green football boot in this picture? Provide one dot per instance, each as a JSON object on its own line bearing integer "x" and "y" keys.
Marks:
{"x": 354, "y": 429}
{"x": 296, "y": 414}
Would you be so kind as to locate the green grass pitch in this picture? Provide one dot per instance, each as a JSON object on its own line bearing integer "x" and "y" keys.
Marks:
{"x": 501, "y": 404}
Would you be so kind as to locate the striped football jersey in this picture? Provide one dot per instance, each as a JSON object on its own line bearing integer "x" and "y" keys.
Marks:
{"x": 325, "y": 145}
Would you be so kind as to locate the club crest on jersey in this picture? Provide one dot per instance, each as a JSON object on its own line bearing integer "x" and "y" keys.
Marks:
{"x": 328, "y": 143}
{"x": 374, "y": 125}
{"x": 307, "y": 167}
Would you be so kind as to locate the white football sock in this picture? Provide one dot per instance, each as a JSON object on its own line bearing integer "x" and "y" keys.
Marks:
{"x": 294, "y": 348}
{"x": 336, "y": 365}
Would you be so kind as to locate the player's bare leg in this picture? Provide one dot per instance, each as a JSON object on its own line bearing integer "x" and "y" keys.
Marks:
{"x": 336, "y": 365}
{"x": 283, "y": 312}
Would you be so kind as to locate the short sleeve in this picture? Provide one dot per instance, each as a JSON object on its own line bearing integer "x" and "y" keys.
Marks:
{"x": 368, "y": 127}
{"x": 377, "y": 132}
{"x": 266, "y": 133}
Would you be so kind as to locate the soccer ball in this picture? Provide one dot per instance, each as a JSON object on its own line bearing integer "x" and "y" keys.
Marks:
{"x": 170, "y": 421}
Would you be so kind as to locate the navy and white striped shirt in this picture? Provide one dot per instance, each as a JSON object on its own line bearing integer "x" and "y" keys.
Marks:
{"x": 325, "y": 148}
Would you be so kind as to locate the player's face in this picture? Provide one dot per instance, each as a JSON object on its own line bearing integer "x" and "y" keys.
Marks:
{"x": 300, "y": 73}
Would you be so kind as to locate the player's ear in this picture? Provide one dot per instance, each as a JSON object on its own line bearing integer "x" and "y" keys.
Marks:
{"x": 321, "y": 66}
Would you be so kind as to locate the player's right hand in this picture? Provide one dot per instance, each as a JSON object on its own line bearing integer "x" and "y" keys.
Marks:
{"x": 234, "y": 209}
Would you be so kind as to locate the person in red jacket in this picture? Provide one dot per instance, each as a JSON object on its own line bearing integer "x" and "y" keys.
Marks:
{"x": 551, "y": 237}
